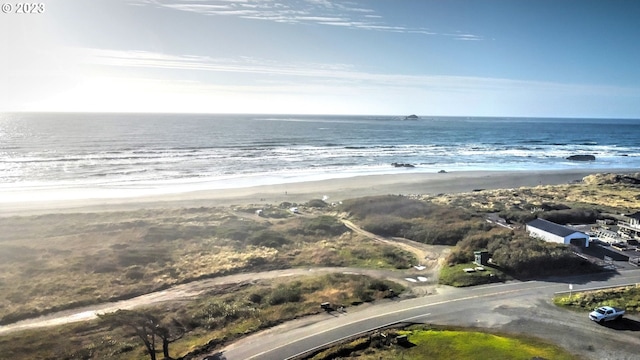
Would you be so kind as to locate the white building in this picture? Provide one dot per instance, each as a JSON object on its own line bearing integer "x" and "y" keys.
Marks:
{"x": 631, "y": 227}
{"x": 552, "y": 232}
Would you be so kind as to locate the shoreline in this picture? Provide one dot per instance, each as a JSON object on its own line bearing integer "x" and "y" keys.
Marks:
{"x": 298, "y": 192}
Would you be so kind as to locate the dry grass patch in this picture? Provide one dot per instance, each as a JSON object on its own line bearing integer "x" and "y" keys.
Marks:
{"x": 60, "y": 261}
{"x": 224, "y": 314}
{"x": 606, "y": 191}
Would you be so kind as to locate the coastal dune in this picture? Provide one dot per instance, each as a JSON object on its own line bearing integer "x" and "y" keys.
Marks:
{"x": 298, "y": 192}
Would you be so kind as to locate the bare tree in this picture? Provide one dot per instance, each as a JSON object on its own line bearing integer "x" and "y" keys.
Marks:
{"x": 148, "y": 328}
{"x": 169, "y": 333}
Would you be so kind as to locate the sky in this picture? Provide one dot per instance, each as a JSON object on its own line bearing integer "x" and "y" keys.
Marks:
{"x": 507, "y": 58}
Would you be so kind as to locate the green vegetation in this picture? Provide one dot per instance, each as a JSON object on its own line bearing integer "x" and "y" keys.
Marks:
{"x": 425, "y": 222}
{"x": 323, "y": 225}
{"x": 222, "y": 315}
{"x": 455, "y": 275}
{"x": 627, "y": 298}
{"x": 523, "y": 256}
{"x": 513, "y": 251}
{"x": 458, "y": 344}
{"x": 316, "y": 203}
{"x": 513, "y": 255}
{"x": 558, "y": 214}
{"x": 518, "y": 255}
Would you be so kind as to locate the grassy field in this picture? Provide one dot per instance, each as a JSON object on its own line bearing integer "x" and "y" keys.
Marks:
{"x": 443, "y": 344}
{"x": 59, "y": 261}
{"x": 224, "y": 314}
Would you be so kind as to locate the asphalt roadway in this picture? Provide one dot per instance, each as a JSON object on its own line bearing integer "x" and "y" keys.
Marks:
{"x": 514, "y": 307}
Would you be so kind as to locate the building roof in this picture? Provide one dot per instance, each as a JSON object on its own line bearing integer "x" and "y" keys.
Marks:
{"x": 635, "y": 215}
{"x": 552, "y": 228}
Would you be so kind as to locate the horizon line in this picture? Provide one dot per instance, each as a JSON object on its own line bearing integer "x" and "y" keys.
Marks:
{"x": 315, "y": 114}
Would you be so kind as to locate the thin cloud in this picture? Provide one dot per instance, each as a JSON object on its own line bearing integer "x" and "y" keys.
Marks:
{"x": 318, "y": 12}
{"x": 459, "y": 35}
{"x": 151, "y": 60}
{"x": 345, "y": 74}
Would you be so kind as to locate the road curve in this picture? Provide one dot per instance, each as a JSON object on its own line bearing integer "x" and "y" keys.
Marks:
{"x": 521, "y": 307}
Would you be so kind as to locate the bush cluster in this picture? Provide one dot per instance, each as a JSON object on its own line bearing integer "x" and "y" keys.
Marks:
{"x": 390, "y": 205}
{"x": 559, "y": 214}
{"x": 398, "y": 216}
{"x": 464, "y": 251}
{"x": 317, "y": 203}
{"x": 235, "y": 229}
{"x": 324, "y": 225}
{"x": 572, "y": 216}
{"x": 268, "y": 238}
{"x": 286, "y": 293}
{"x": 216, "y": 314}
{"x": 627, "y": 298}
{"x": 520, "y": 255}
{"x": 400, "y": 259}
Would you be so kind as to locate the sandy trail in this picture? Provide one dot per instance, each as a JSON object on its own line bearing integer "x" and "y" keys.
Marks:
{"x": 430, "y": 256}
{"x": 185, "y": 291}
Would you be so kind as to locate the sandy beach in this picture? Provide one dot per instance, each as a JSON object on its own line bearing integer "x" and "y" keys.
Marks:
{"x": 333, "y": 189}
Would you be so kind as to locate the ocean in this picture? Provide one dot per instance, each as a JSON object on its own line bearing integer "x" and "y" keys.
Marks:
{"x": 60, "y": 156}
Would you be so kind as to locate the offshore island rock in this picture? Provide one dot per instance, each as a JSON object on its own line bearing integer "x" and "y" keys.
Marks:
{"x": 581, "y": 158}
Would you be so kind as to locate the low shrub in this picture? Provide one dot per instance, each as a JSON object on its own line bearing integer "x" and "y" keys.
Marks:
{"x": 627, "y": 297}
{"x": 287, "y": 293}
{"x": 239, "y": 230}
{"x": 326, "y": 226}
{"x": 268, "y": 238}
{"x": 317, "y": 203}
{"x": 386, "y": 225}
{"x": 391, "y": 205}
{"x": 572, "y": 216}
{"x": 524, "y": 256}
{"x": 398, "y": 216}
{"x": 517, "y": 216}
{"x": 399, "y": 259}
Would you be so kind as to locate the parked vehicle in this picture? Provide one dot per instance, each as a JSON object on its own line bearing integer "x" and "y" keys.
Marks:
{"x": 606, "y": 313}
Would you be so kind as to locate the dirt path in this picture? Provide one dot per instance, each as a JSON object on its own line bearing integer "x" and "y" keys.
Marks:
{"x": 430, "y": 256}
{"x": 186, "y": 291}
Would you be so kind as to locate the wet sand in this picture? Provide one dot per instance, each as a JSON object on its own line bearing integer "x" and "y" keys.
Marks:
{"x": 333, "y": 189}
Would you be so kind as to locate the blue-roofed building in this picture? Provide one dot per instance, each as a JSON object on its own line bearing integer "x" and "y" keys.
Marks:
{"x": 552, "y": 232}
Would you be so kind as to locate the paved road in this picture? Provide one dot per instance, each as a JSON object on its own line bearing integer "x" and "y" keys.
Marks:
{"x": 521, "y": 307}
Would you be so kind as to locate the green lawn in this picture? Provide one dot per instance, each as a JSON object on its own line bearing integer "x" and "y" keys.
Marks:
{"x": 443, "y": 344}
{"x": 456, "y": 276}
